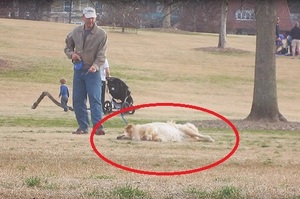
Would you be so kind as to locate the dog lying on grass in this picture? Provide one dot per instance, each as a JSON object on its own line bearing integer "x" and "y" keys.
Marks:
{"x": 163, "y": 132}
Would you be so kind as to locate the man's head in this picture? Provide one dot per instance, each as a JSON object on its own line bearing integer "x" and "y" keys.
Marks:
{"x": 89, "y": 17}
{"x": 89, "y": 12}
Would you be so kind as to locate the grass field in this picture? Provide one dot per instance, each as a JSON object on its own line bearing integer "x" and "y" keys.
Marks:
{"x": 40, "y": 158}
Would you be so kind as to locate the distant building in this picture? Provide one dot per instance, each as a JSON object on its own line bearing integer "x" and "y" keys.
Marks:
{"x": 241, "y": 17}
{"x": 204, "y": 16}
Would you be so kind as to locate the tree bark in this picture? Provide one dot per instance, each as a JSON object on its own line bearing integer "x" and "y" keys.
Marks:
{"x": 265, "y": 105}
{"x": 222, "y": 34}
{"x": 71, "y": 10}
{"x": 167, "y": 13}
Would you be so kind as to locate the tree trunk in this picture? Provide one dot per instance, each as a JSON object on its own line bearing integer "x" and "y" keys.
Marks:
{"x": 222, "y": 34}
{"x": 167, "y": 13}
{"x": 123, "y": 23}
{"x": 264, "y": 105}
{"x": 194, "y": 19}
{"x": 71, "y": 10}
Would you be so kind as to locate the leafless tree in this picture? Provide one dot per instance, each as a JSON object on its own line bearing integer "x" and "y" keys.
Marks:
{"x": 38, "y": 9}
{"x": 223, "y": 30}
{"x": 169, "y": 6}
{"x": 6, "y": 8}
{"x": 25, "y": 9}
{"x": 201, "y": 16}
{"x": 121, "y": 13}
{"x": 265, "y": 105}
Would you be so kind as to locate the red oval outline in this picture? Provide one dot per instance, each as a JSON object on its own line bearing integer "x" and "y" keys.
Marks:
{"x": 173, "y": 173}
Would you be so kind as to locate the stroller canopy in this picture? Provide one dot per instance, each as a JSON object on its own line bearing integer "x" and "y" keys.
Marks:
{"x": 117, "y": 88}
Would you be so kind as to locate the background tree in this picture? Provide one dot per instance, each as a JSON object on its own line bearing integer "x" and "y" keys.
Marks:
{"x": 39, "y": 8}
{"x": 70, "y": 3}
{"x": 201, "y": 16}
{"x": 294, "y": 6}
{"x": 223, "y": 30}
{"x": 121, "y": 13}
{"x": 167, "y": 13}
{"x": 6, "y": 8}
{"x": 169, "y": 7}
{"x": 25, "y": 9}
{"x": 265, "y": 105}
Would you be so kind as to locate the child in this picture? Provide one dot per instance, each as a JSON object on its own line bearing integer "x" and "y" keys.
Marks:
{"x": 64, "y": 94}
{"x": 104, "y": 72}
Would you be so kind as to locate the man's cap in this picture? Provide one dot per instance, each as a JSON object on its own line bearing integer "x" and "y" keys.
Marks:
{"x": 89, "y": 12}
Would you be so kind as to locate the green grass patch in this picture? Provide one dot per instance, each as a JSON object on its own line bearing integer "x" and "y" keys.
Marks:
{"x": 93, "y": 193}
{"x": 225, "y": 192}
{"x": 33, "y": 181}
{"x": 129, "y": 192}
{"x": 28, "y": 121}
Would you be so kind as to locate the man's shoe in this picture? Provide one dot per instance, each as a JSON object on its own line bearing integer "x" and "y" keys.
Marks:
{"x": 99, "y": 131}
{"x": 78, "y": 132}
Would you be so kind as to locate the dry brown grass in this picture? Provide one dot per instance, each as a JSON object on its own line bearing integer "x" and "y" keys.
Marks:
{"x": 265, "y": 166}
{"x": 158, "y": 67}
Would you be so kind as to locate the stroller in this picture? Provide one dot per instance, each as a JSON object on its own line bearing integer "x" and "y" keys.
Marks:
{"x": 120, "y": 96}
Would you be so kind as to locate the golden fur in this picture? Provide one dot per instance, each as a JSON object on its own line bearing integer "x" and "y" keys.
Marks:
{"x": 163, "y": 132}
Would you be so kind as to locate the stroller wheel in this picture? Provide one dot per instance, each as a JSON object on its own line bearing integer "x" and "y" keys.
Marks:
{"x": 129, "y": 101}
{"x": 107, "y": 107}
{"x": 132, "y": 111}
{"x": 125, "y": 105}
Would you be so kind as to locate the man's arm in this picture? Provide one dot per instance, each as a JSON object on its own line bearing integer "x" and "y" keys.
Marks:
{"x": 101, "y": 53}
{"x": 70, "y": 45}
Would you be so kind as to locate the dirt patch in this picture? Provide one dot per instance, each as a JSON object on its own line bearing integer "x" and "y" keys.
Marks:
{"x": 223, "y": 50}
{"x": 250, "y": 125}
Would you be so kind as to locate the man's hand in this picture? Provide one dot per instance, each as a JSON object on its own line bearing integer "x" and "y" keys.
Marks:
{"x": 75, "y": 57}
{"x": 92, "y": 69}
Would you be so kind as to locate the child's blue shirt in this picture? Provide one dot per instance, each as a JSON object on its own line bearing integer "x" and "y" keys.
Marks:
{"x": 64, "y": 91}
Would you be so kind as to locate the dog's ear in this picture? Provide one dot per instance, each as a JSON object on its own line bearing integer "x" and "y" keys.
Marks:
{"x": 129, "y": 128}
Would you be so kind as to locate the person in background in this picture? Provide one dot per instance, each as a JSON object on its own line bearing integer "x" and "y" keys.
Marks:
{"x": 278, "y": 39}
{"x": 295, "y": 34}
{"x": 104, "y": 72}
{"x": 64, "y": 94}
{"x": 289, "y": 44}
{"x": 86, "y": 46}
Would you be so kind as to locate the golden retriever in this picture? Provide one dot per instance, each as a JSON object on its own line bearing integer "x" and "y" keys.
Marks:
{"x": 163, "y": 132}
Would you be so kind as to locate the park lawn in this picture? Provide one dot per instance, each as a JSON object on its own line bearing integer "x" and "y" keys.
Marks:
{"x": 40, "y": 158}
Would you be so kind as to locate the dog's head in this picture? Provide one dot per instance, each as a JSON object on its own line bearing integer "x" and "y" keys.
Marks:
{"x": 127, "y": 133}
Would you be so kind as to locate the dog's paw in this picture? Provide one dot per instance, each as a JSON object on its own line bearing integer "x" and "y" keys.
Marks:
{"x": 209, "y": 139}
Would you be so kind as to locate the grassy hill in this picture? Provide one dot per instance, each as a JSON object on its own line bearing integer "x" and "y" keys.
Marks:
{"x": 157, "y": 67}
